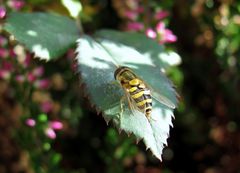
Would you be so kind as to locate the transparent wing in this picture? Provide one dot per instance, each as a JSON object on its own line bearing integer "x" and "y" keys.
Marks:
{"x": 132, "y": 106}
{"x": 134, "y": 109}
{"x": 162, "y": 99}
{"x": 159, "y": 97}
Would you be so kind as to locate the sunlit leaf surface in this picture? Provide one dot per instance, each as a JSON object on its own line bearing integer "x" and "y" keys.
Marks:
{"x": 97, "y": 60}
{"x": 144, "y": 45}
{"x": 48, "y": 36}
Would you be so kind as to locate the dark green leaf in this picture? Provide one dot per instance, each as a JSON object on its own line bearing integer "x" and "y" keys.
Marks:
{"x": 48, "y": 36}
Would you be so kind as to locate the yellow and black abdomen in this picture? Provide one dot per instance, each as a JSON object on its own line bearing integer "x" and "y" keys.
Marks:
{"x": 141, "y": 96}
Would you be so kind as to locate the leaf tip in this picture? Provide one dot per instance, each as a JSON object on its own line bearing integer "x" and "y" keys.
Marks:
{"x": 128, "y": 134}
{"x": 97, "y": 110}
{"x": 138, "y": 140}
{"x": 106, "y": 120}
{"x": 119, "y": 130}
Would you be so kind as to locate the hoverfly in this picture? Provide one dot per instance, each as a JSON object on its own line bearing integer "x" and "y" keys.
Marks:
{"x": 139, "y": 94}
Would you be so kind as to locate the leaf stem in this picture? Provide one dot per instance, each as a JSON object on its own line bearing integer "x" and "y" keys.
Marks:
{"x": 79, "y": 25}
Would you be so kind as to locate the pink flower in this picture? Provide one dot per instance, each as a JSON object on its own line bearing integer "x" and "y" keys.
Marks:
{"x": 159, "y": 15}
{"x": 38, "y": 72}
{"x": 3, "y": 12}
{"x": 140, "y": 9}
{"x": 7, "y": 66}
{"x": 165, "y": 35}
{"x": 42, "y": 84}
{"x": 5, "y": 74}
{"x": 50, "y": 133}
{"x": 30, "y": 77}
{"x": 20, "y": 78}
{"x": 12, "y": 53}
{"x": 151, "y": 33}
{"x": 56, "y": 125}
{"x": 5, "y": 71}
{"x": 132, "y": 15}
{"x": 169, "y": 36}
{"x": 27, "y": 60}
{"x": 160, "y": 27}
{"x": 46, "y": 106}
{"x": 30, "y": 122}
{"x": 135, "y": 26}
{"x": 16, "y": 4}
{"x": 3, "y": 53}
{"x": 3, "y": 40}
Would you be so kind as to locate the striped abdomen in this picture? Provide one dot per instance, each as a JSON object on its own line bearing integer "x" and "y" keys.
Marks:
{"x": 141, "y": 95}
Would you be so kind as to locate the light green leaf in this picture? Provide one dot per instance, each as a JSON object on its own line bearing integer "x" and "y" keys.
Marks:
{"x": 144, "y": 45}
{"x": 48, "y": 36}
{"x": 97, "y": 60}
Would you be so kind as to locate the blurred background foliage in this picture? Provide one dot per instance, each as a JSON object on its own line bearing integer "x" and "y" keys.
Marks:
{"x": 47, "y": 125}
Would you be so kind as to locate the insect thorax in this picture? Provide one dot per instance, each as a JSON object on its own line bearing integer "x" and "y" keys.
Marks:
{"x": 126, "y": 77}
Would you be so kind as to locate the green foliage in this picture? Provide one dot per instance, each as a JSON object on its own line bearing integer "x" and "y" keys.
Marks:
{"x": 207, "y": 125}
{"x": 99, "y": 58}
{"x": 48, "y": 36}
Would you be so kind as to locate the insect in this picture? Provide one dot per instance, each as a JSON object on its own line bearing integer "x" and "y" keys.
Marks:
{"x": 139, "y": 95}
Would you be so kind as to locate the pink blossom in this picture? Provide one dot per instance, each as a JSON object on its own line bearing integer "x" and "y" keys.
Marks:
{"x": 160, "y": 28}
{"x": 50, "y": 133}
{"x": 20, "y": 78}
{"x": 159, "y": 15}
{"x": 151, "y": 33}
{"x": 4, "y": 74}
{"x": 165, "y": 35}
{"x": 7, "y": 66}
{"x": 135, "y": 26}
{"x": 16, "y": 4}
{"x": 5, "y": 71}
{"x": 38, "y": 72}
{"x": 31, "y": 77}
{"x": 132, "y": 15}
{"x": 140, "y": 9}
{"x": 3, "y": 40}
{"x": 169, "y": 36}
{"x": 30, "y": 122}
{"x": 3, "y": 12}
{"x": 27, "y": 60}
{"x": 56, "y": 125}
{"x": 46, "y": 106}
{"x": 12, "y": 53}
{"x": 3, "y": 53}
{"x": 42, "y": 84}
